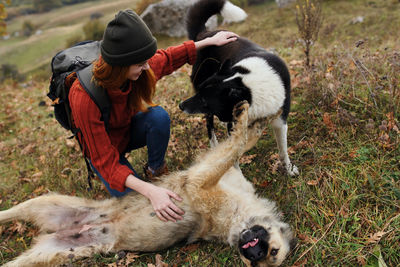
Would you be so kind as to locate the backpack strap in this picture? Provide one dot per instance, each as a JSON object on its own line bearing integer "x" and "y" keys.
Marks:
{"x": 100, "y": 98}
{"x": 97, "y": 94}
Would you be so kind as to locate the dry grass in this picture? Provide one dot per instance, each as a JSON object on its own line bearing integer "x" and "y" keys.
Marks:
{"x": 343, "y": 135}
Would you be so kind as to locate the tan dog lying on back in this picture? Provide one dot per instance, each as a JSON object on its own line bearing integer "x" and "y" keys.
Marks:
{"x": 219, "y": 203}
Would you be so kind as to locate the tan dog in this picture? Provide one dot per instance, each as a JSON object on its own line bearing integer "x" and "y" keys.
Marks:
{"x": 219, "y": 203}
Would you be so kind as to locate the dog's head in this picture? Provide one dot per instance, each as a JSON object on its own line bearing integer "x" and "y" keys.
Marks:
{"x": 218, "y": 94}
{"x": 265, "y": 243}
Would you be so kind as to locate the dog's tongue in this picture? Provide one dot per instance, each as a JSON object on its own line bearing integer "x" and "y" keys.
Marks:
{"x": 251, "y": 243}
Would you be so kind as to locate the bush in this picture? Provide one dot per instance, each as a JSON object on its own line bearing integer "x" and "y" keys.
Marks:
{"x": 28, "y": 28}
{"x": 309, "y": 21}
{"x": 143, "y": 4}
{"x": 46, "y": 5}
{"x": 94, "y": 30}
{"x": 240, "y": 3}
{"x": 9, "y": 71}
{"x": 74, "y": 40}
{"x": 96, "y": 15}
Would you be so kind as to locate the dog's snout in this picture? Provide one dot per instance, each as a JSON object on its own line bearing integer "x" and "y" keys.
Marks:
{"x": 181, "y": 107}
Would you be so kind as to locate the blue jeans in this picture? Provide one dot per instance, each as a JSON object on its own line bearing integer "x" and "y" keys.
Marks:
{"x": 151, "y": 129}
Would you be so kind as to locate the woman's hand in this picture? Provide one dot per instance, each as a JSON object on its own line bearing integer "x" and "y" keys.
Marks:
{"x": 165, "y": 209}
{"x": 159, "y": 197}
{"x": 219, "y": 39}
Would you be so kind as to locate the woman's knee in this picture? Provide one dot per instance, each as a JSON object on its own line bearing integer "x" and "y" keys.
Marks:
{"x": 159, "y": 119}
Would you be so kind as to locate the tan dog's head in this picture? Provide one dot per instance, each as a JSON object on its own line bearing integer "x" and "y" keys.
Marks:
{"x": 265, "y": 244}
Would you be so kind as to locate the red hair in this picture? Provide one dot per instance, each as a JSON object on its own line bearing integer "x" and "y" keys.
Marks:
{"x": 113, "y": 77}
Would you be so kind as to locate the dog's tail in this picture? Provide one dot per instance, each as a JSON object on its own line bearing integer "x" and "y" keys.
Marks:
{"x": 202, "y": 10}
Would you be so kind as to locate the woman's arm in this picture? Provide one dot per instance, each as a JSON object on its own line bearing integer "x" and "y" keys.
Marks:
{"x": 166, "y": 61}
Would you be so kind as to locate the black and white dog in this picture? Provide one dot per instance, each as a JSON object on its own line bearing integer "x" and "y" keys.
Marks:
{"x": 241, "y": 70}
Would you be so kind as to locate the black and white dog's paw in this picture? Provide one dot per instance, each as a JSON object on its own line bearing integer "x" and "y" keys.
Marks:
{"x": 292, "y": 170}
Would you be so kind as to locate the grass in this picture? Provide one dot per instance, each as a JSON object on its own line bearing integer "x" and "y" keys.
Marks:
{"x": 343, "y": 135}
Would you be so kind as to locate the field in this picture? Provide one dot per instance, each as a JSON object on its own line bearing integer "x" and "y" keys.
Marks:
{"x": 344, "y": 135}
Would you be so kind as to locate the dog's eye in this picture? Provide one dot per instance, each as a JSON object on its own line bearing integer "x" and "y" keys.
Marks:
{"x": 274, "y": 252}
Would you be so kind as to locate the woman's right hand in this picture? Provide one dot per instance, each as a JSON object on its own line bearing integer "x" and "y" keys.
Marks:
{"x": 160, "y": 198}
{"x": 165, "y": 209}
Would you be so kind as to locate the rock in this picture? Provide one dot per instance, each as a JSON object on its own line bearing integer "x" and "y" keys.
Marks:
{"x": 283, "y": 3}
{"x": 169, "y": 17}
{"x": 356, "y": 20}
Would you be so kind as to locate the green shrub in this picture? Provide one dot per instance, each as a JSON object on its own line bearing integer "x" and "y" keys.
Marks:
{"x": 9, "y": 72}
{"x": 74, "y": 40}
{"x": 143, "y": 4}
{"x": 28, "y": 28}
{"x": 94, "y": 30}
{"x": 241, "y": 3}
{"x": 309, "y": 21}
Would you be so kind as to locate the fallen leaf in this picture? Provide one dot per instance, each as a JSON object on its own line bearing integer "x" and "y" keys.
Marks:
{"x": 247, "y": 159}
{"x": 354, "y": 153}
{"x": 275, "y": 167}
{"x": 375, "y": 238}
{"x": 264, "y": 183}
{"x": 37, "y": 175}
{"x": 300, "y": 263}
{"x": 18, "y": 227}
{"x": 313, "y": 182}
{"x": 190, "y": 248}
{"x": 28, "y": 149}
{"x": 42, "y": 159}
{"x": 40, "y": 189}
{"x": 328, "y": 122}
{"x": 159, "y": 262}
{"x": 130, "y": 257}
{"x": 361, "y": 260}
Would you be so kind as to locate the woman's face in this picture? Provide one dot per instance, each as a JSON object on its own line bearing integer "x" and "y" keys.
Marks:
{"x": 135, "y": 70}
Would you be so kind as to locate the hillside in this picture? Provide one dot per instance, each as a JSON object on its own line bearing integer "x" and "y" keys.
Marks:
{"x": 344, "y": 135}
{"x": 56, "y": 27}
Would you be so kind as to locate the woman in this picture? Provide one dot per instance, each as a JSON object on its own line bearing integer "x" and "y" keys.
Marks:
{"x": 128, "y": 69}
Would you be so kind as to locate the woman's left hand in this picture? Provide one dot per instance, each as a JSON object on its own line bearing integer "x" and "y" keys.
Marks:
{"x": 223, "y": 37}
{"x": 219, "y": 39}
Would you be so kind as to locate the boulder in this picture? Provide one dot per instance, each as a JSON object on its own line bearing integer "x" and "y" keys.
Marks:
{"x": 169, "y": 17}
{"x": 284, "y": 3}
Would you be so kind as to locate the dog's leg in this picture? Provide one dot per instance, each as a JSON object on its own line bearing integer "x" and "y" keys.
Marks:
{"x": 63, "y": 246}
{"x": 53, "y": 212}
{"x": 280, "y": 131}
{"x": 210, "y": 168}
{"x": 210, "y": 130}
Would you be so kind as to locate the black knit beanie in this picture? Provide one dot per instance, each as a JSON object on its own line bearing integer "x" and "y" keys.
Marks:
{"x": 127, "y": 40}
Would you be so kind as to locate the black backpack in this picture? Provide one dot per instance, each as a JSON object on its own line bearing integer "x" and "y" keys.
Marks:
{"x": 78, "y": 59}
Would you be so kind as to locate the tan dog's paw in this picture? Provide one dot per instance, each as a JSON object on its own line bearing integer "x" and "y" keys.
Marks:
{"x": 240, "y": 110}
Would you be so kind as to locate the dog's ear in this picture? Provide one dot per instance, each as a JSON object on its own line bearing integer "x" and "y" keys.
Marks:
{"x": 226, "y": 68}
{"x": 206, "y": 69}
{"x": 209, "y": 81}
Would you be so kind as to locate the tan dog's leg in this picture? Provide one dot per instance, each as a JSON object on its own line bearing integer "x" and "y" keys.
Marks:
{"x": 211, "y": 166}
{"x": 55, "y": 249}
{"x": 79, "y": 228}
{"x": 53, "y": 212}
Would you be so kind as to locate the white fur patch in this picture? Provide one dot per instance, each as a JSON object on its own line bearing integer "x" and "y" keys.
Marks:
{"x": 232, "y": 13}
{"x": 266, "y": 87}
